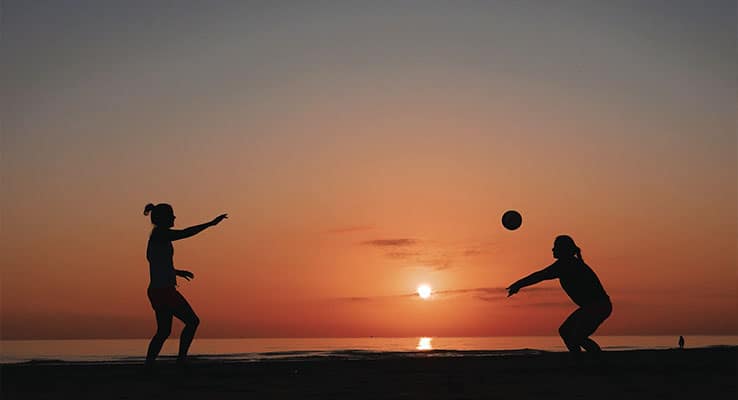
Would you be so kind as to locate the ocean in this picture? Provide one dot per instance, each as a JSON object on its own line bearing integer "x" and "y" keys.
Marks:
{"x": 258, "y": 349}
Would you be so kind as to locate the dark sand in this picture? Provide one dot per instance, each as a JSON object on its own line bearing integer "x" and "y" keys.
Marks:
{"x": 654, "y": 374}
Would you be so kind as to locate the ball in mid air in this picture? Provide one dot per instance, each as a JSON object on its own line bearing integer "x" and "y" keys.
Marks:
{"x": 512, "y": 220}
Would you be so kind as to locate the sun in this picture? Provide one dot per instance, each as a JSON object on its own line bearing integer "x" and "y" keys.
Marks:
{"x": 424, "y": 291}
{"x": 424, "y": 343}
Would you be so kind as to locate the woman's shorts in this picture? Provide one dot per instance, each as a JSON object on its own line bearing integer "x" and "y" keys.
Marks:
{"x": 168, "y": 298}
{"x": 585, "y": 320}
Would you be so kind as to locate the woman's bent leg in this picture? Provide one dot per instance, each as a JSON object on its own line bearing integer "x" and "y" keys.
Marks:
{"x": 569, "y": 331}
{"x": 191, "y": 321}
{"x": 163, "y": 329}
{"x": 591, "y": 319}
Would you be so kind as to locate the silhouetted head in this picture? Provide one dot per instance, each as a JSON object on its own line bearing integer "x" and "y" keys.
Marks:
{"x": 564, "y": 247}
{"x": 162, "y": 214}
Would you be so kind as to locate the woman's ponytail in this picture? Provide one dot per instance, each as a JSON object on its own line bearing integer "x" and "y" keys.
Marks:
{"x": 149, "y": 207}
{"x": 578, "y": 253}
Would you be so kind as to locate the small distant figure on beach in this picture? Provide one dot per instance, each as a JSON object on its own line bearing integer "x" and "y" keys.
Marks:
{"x": 583, "y": 287}
{"x": 166, "y": 301}
{"x": 681, "y": 342}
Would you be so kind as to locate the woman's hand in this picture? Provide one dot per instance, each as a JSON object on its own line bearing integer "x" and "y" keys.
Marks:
{"x": 185, "y": 274}
{"x": 217, "y": 219}
{"x": 512, "y": 289}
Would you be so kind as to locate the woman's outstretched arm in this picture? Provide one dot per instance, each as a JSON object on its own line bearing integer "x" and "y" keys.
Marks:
{"x": 532, "y": 279}
{"x": 175, "y": 234}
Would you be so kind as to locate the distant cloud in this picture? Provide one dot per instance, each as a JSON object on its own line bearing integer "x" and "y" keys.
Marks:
{"x": 402, "y": 255}
{"x": 552, "y": 304}
{"x": 390, "y": 242}
{"x": 350, "y": 229}
{"x": 356, "y": 299}
{"x": 438, "y": 264}
{"x": 483, "y": 290}
{"x": 426, "y": 253}
{"x": 362, "y": 299}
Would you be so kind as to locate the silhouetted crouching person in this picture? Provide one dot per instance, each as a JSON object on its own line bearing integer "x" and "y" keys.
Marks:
{"x": 583, "y": 287}
{"x": 166, "y": 301}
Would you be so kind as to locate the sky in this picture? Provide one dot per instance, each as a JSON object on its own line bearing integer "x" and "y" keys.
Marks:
{"x": 361, "y": 149}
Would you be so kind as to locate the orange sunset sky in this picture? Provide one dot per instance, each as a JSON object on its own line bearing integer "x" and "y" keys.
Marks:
{"x": 361, "y": 150}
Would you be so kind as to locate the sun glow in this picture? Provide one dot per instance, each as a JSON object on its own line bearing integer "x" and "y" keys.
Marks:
{"x": 425, "y": 344}
{"x": 424, "y": 291}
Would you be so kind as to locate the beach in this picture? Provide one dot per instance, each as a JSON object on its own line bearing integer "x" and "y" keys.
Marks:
{"x": 708, "y": 373}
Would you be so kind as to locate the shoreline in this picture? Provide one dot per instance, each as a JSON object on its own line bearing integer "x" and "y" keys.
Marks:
{"x": 335, "y": 355}
{"x": 678, "y": 374}
{"x": 101, "y": 350}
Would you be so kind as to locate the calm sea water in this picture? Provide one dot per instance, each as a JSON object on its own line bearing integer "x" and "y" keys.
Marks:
{"x": 133, "y": 350}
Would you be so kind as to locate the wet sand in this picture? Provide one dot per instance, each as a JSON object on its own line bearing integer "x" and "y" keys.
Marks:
{"x": 648, "y": 374}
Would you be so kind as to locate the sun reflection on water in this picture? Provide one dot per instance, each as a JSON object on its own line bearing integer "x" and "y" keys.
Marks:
{"x": 424, "y": 343}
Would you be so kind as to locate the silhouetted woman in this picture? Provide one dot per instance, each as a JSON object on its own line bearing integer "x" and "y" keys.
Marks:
{"x": 165, "y": 299}
{"x": 583, "y": 287}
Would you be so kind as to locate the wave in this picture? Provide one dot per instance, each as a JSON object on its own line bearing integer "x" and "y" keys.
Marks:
{"x": 360, "y": 354}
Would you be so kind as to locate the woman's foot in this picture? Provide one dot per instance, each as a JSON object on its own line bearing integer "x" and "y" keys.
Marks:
{"x": 591, "y": 346}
